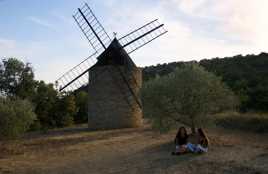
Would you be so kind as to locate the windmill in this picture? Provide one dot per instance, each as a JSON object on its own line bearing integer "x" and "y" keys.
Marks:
{"x": 111, "y": 78}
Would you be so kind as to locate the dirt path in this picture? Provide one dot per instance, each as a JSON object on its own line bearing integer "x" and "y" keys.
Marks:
{"x": 132, "y": 151}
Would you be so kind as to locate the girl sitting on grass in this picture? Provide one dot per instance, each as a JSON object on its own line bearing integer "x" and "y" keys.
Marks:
{"x": 181, "y": 141}
{"x": 202, "y": 145}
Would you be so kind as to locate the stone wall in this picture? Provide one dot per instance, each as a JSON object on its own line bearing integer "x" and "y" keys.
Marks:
{"x": 111, "y": 104}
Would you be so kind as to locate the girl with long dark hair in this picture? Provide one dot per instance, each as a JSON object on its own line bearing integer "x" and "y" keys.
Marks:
{"x": 180, "y": 141}
{"x": 203, "y": 141}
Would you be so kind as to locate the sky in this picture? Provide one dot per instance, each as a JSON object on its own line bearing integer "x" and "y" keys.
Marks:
{"x": 45, "y": 34}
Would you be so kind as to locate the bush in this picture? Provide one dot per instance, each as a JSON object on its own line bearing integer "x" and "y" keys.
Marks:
{"x": 247, "y": 121}
{"x": 16, "y": 117}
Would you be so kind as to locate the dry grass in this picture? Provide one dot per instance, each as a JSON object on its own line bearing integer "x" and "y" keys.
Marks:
{"x": 131, "y": 151}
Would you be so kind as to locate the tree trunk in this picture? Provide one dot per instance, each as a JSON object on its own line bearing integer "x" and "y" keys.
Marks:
{"x": 193, "y": 130}
{"x": 192, "y": 125}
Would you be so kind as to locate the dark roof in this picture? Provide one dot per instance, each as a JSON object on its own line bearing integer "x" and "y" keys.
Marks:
{"x": 114, "y": 55}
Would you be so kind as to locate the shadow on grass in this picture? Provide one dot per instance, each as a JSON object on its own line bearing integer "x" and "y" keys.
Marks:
{"x": 161, "y": 159}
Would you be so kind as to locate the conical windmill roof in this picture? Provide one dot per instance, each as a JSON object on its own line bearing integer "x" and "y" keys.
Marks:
{"x": 114, "y": 55}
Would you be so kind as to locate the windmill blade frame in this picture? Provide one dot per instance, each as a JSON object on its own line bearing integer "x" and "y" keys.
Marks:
{"x": 142, "y": 36}
{"x": 92, "y": 28}
{"x": 99, "y": 41}
{"x": 78, "y": 74}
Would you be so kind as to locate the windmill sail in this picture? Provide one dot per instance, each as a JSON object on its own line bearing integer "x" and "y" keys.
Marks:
{"x": 77, "y": 76}
{"x": 142, "y": 36}
{"x": 92, "y": 28}
{"x": 98, "y": 39}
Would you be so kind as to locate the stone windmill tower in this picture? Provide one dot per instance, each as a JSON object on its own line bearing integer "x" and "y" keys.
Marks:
{"x": 111, "y": 78}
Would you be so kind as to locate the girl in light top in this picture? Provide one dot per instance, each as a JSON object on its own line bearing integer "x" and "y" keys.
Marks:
{"x": 202, "y": 145}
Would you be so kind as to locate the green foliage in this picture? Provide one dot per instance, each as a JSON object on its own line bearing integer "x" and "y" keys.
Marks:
{"x": 81, "y": 100}
{"x": 45, "y": 102}
{"x": 65, "y": 110}
{"x": 52, "y": 108}
{"x": 246, "y": 122}
{"x": 151, "y": 72}
{"x": 16, "y": 79}
{"x": 245, "y": 75}
{"x": 16, "y": 117}
{"x": 188, "y": 95}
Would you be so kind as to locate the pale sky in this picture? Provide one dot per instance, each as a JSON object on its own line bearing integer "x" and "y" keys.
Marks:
{"x": 43, "y": 32}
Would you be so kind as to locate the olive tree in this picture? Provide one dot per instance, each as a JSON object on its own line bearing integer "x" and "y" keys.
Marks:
{"x": 189, "y": 95}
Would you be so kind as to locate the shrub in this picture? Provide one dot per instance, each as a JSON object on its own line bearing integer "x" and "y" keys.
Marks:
{"x": 16, "y": 117}
{"x": 247, "y": 121}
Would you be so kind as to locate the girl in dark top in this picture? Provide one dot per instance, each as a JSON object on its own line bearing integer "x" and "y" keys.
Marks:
{"x": 180, "y": 141}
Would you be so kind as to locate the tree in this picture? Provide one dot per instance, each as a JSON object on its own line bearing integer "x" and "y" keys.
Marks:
{"x": 16, "y": 79}
{"x": 189, "y": 95}
{"x": 45, "y": 101}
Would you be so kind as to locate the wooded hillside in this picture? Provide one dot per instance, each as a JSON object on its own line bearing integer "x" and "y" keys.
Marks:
{"x": 246, "y": 75}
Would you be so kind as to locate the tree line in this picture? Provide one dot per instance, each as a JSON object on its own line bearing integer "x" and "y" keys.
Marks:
{"x": 46, "y": 108}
